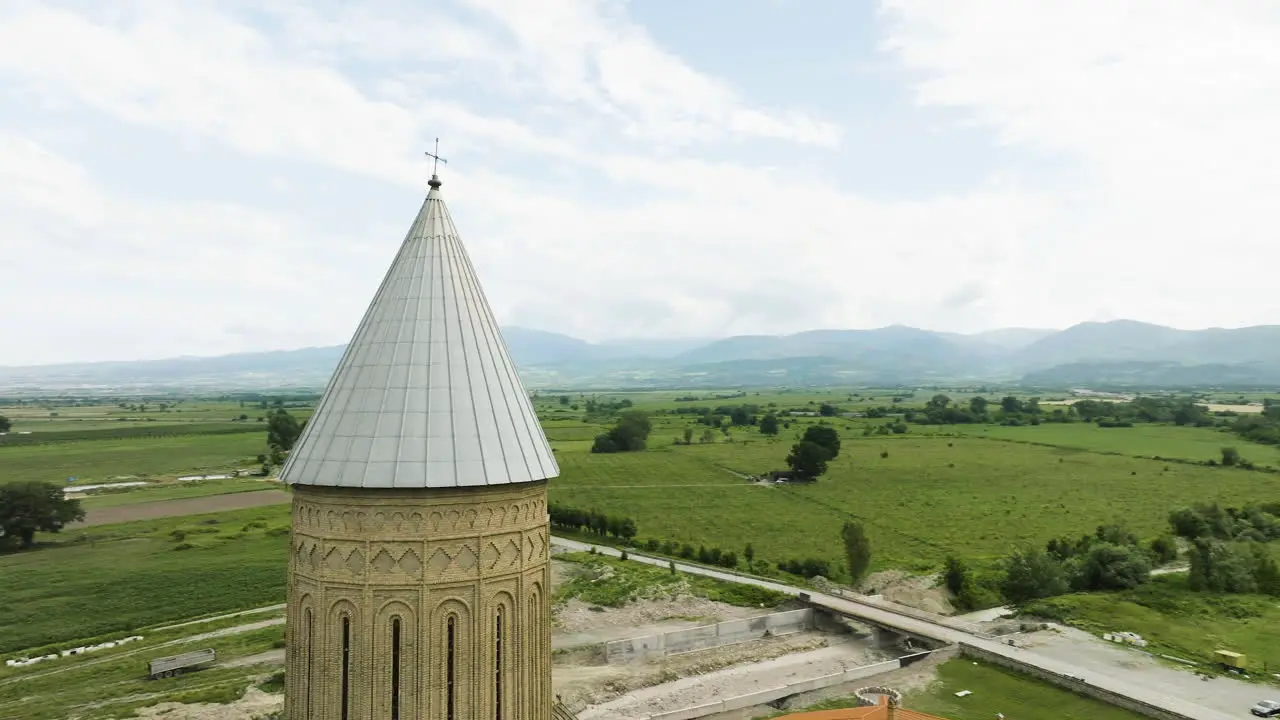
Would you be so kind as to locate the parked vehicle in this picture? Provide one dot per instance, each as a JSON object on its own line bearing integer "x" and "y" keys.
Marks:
{"x": 1266, "y": 708}
{"x": 177, "y": 664}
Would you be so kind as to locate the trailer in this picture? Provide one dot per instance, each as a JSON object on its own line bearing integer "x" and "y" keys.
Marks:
{"x": 1231, "y": 661}
{"x": 177, "y": 664}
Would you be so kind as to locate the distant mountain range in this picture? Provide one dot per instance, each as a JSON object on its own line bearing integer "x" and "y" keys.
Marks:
{"x": 1118, "y": 354}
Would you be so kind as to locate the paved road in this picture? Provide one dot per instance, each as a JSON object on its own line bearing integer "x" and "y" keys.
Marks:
{"x": 1117, "y": 679}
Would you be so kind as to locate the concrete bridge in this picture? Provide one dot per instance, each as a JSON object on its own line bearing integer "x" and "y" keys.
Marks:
{"x": 937, "y": 631}
{"x": 888, "y": 628}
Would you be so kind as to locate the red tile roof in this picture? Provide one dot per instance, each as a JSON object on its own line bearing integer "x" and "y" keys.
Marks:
{"x": 874, "y": 712}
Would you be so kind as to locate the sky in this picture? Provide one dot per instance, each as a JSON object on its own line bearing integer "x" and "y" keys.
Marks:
{"x": 209, "y": 177}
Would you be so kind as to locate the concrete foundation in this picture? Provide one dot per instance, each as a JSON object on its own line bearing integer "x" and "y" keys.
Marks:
{"x": 649, "y": 647}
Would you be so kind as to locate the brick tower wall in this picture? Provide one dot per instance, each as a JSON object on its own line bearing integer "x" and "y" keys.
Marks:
{"x": 425, "y": 558}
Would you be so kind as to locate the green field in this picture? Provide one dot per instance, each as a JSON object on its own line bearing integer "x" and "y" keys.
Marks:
{"x": 1177, "y": 621}
{"x": 1184, "y": 443}
{"x": 932, "y": 496}
{"x": 54, "y": 416}
{"x": 995, "y": 690}
{"x": 144, "y": 458}
{"x": 122, "y": 577}
{"x": 111, "y": 684}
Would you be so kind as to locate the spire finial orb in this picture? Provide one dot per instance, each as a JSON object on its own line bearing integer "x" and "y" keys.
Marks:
{"x": 434, "y": 182}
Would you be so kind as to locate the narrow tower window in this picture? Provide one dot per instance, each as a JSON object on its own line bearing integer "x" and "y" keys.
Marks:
{"x": 536, "y": 639}
{"x": 346, "y": 666}
{"x": 497, "y": 666}
{"x": 395, "y": 669}
{"x": 306, "y": 697}
{"x": 448, "y": 673}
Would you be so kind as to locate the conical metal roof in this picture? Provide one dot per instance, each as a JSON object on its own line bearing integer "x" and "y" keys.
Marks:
{"x": 426, "y": 395}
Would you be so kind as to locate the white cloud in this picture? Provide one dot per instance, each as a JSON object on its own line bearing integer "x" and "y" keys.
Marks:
{"x": 598, "y": 179}
{"x": 87, "y": 270}
{"x": 1167, "y": 112}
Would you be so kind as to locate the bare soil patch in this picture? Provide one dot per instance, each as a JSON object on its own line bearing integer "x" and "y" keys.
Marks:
{"x": 183, "y": 506}
{"x": 253, "y": 705}
{"x": 691, "y": 679}
{"x": 922, "y": 592}
{"x": 576, "y": 617}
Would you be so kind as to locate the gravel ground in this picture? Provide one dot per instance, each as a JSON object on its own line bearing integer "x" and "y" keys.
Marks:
{"x": 1111, "y": 660}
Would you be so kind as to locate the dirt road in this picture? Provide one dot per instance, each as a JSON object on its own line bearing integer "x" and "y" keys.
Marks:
{"x": 184, "y": 506}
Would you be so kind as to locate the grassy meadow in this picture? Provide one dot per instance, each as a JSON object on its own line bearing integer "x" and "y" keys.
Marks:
{"x": 973, "y": 491}
{"x": 1182, "y": 443}
{"x": 116, "y": 578}
{"x": 929, "y": 496}
{"x": 995, "y": 690}
{"x": 113, "y": 683}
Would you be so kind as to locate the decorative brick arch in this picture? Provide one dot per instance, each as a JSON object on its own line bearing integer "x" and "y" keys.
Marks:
{"x": 395, "y": 673}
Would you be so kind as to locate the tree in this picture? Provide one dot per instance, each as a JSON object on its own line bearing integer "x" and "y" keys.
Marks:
{"x": 1011, "y": 405}
{"x": 978, "y": 405}
{"x": 564, "y": 399}
{"x": 750, "y": 554}
{"x": 5, "y": 424}
{"x": 769, "y": 424}
{"x": 955, "y": 575}
{"x": 1032, "y": 574}
{"x": 1218, "y": 567}
{"x": 808, "y": 460}
{"x": 827, "y": 410}
{"x": 283, "y": 430}
{"x": 688, "y": 436}
{"x": 629, "y": 434}
{"x": 938, "y": 402}
{"x": 626, "y": 530}
{"x": 1114, "y": 567}
{"x": 824, "y": 436}
{"x": 857, "y": 550}
{"x": 32, "y": 506}
{"x": 1230, "y": 456}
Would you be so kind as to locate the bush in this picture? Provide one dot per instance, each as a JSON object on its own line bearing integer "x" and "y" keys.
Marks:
{"x": 1164, "y": 549}
{"x": 1113, "y": 567}
{"x": 1032, "y": 574}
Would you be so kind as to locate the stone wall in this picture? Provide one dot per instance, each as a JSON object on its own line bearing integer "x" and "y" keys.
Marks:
{"x": 730, "y": 632}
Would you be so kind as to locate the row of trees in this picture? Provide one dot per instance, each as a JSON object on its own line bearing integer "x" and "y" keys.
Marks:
{"x": 1227, "y": 551}
{"x": 592, "y": 521}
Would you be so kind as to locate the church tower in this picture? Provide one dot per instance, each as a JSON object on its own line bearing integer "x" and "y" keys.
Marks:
{"x": 419, "y": 583}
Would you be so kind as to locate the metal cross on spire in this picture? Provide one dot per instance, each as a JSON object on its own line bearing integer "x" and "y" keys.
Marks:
{"x": 436, "y": 159}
